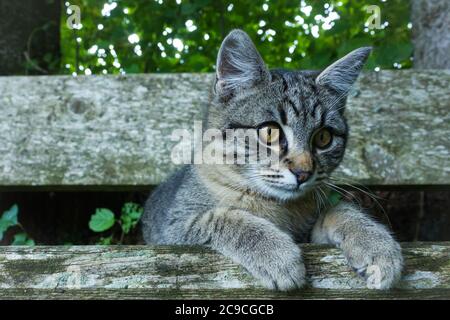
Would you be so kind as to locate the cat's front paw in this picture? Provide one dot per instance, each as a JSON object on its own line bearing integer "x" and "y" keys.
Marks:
{"x": 379, "y": 261}
{"x": 280, "y": 268}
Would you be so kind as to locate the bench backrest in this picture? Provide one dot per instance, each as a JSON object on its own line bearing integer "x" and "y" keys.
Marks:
{"x": 61, "y": 131}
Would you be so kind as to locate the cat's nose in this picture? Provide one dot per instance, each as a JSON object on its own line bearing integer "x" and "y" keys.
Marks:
{"x": 301, "y": 175}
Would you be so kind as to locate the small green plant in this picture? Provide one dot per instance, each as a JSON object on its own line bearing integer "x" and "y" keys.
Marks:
{"x": 104, "y": 219}
{"x": 9, "y": 220}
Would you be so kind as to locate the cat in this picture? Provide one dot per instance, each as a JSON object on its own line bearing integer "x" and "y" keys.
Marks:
{"x": 256, "y": 214}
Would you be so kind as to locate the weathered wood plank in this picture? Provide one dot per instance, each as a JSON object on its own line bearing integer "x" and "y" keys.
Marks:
{"x": 145, "y": 293}
{"x": 115, "y": 130}
{"x": 192, "y": 272}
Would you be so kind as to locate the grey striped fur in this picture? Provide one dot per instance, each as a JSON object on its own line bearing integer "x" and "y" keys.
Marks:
{"x": 256, "y": 214}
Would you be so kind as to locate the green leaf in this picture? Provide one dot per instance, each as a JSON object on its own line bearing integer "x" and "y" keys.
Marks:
{"x": 8, "y": 219}
{"x": 394, "y": 52}
{"x": 404, "y": 51}
{"x": 21, "y": 239}
{"x": 131, "y": 213}
{"x": 134, "y": 68}
{"x": 352, "y": 44}
{"x": 105, "y": 241}
{"x": 11, "y": 214}
{"x": 125, "y": 224}
{"x": 187, "y": 9}
{"x": 102, "y": 220}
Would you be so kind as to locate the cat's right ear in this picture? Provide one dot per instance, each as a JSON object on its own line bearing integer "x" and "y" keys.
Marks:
{"x": 341, "y": 75}
{"x": 239, "y": 65}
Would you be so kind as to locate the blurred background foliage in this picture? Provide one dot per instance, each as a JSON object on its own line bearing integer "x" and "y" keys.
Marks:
{"x": 136, "y": 36}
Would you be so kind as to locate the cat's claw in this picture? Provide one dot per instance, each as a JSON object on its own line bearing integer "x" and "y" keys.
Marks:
{"x": 379, "y": 266}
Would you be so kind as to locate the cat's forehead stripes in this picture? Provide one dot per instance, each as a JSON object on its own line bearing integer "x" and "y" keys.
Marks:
{"x": 300, "y": 98}
{"x": 282, "y": 114}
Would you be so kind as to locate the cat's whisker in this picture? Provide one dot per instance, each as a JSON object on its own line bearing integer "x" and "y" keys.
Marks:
{"x": 323, "y": 193}
{"x": 367, "y": 191}
{"x": 344, "y": 193}
{"x": 321, "y": 201}
{"x": 371, "y": 195}
{"x": 317, "y": 200}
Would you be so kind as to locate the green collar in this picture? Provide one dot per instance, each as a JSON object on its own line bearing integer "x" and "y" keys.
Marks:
{"x": 334, "y": 198}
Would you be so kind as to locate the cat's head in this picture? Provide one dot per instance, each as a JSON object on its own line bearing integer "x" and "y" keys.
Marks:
{"x": 305, "y": 110}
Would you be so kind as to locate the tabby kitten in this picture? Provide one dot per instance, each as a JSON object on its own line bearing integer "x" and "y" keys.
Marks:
{"x": 257, "y": 213}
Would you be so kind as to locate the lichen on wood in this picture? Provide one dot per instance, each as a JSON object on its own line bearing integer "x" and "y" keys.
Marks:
{"x": 110, "y": 272}
{"x": 116, "y": 130}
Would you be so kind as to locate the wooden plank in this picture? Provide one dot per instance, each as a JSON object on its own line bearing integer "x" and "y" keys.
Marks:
{"x": 145, "y": 294}
{"x": 108, "y": 272}
{"x": 115, "y": 130}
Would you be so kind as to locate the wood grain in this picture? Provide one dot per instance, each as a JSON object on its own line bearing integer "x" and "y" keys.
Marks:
{"x": 116, "y": 130}
{"x": 144, "y": 272}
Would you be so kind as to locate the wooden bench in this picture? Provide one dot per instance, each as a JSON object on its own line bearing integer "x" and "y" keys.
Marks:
{"x": 113, "y": 132}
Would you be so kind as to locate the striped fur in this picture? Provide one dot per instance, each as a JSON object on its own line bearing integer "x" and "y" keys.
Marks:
{"x": 257, "y": 213}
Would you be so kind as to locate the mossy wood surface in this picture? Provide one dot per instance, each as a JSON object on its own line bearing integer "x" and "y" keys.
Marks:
{"x": 62, "y": 131}
{"x": 144, "y": 272}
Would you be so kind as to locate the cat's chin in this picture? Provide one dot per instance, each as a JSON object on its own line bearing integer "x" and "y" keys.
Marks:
{"x": 283, "y": 193}
{"x": 287, "y": 195}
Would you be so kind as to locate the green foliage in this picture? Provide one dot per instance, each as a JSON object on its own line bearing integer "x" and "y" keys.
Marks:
{"x": 131, "y": 213}
{"x": 184, "y": 36}
{"x": 21, "y": 239}
{"x": 104, "y": 220}
{"x": 105, "y": 241}
{"x": 8, "y": 220}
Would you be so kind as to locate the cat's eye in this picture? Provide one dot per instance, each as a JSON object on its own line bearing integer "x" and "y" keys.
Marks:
{"x": 322, "y": 138}
{"x": 269, "y": 134}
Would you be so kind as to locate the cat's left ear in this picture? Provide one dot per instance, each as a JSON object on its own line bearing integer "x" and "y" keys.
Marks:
{"x": 341, "y": 75}
{"x": 239, "y": 65}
